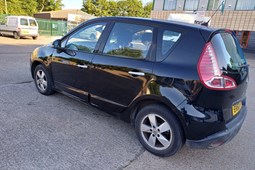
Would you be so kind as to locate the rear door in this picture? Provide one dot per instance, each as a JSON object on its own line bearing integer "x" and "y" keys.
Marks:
{"x": 33, "y": 26}
{"x": 24, "y": 26}
{"x": 123, "y": 67}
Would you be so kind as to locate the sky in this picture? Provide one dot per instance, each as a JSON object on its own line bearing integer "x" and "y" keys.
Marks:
{"x": 76, "y": 4}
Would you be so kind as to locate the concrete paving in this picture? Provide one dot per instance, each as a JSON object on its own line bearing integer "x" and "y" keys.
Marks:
{"x": 57, "y": 132}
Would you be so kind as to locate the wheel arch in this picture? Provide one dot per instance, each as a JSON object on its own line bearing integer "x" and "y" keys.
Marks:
{"x": 33, "y": 66}
{"x": 140, "y": 103}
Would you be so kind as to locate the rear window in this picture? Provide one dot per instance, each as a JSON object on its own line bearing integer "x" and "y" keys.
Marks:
{"x": 32, "y": 23}
{"x": 229, "y": 53}
{"x": 166, "y": 41}
{"x": 23, "y": 21}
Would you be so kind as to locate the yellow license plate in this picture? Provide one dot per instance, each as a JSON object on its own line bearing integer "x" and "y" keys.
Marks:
{"x": 236, "y": 108}
{"x": 25, "y": 32}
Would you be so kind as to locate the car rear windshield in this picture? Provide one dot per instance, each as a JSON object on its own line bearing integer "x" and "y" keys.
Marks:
{"x": 229, "y": 53}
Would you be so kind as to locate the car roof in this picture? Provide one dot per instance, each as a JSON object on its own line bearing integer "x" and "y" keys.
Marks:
{"x": 157, "y": 22}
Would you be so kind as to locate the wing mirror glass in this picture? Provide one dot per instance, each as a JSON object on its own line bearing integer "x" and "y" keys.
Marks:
{"x": 56, "y": 43}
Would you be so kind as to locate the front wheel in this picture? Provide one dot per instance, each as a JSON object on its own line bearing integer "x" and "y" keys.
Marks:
{"x": 35, "y": 37}
{"x": 158, "y": 130}
{"x": 43, "y": 80}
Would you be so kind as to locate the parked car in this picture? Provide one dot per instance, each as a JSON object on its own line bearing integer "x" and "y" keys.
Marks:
{"x": 175, "y": 82}
{"x": 19, "y": 26}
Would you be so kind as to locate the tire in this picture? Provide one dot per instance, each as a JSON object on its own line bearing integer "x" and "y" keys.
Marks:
{"x": 158, "y": 130}
{"x": 16, "y": 35}
{"x": 43, "y": 80}
{"x": 35, "y": 38}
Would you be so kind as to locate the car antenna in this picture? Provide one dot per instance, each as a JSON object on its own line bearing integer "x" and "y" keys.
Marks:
{"x": 222, "y": 4}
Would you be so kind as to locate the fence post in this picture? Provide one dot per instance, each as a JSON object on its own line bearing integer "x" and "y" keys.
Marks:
{"x": 51, "y": 33}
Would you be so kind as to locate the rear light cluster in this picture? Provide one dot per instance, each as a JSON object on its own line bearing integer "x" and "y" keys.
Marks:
{"x": 210, "y": 73}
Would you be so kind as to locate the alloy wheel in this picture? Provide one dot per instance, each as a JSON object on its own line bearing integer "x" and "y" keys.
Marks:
{"x": 41, "y": 80}
{"x": 156, "y": 131}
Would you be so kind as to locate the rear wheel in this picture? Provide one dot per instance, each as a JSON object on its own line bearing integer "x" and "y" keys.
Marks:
{"x": 16, "y": 35}
{"x": 158, "y": 130}
{"x": 43, "y": 80}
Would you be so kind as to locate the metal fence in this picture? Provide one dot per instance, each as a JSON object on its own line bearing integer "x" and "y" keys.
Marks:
{"x": 52, "y": 27}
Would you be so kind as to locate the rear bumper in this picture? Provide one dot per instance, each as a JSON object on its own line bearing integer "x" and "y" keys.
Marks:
{"x": 219, "y": 138}
{"x": 28, "y": 35}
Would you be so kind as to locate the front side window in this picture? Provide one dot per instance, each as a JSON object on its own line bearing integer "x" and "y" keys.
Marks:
{"x": 170, "y": 5}
{"x": 129, "y": 40}
{"x": 245, "y": 5}
{"x": 85, "y": 39}
{"x": 191, "y": 5}
{"x": 32, "y": 23}
{"x": 23, "y": 21}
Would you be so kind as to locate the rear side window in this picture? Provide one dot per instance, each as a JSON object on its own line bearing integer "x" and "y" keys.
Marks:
{"x": 129, "y": 40}
{"x": 23, "y": 21}
{"x": 32, "y": 23}
{"x": 228, "y": 51}
{"x": 166, "y": 40}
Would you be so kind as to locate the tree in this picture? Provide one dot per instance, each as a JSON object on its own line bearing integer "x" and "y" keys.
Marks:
{"x": 147, "y": 9}
{"x": 116, "y": 8}
{"x": 18, "y": 7}
{"x": 49, "y": 5}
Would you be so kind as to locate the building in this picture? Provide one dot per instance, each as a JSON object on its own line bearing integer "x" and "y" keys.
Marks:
{"x": 58, "y": 23}
{"x": 74, "y": 15}
{"x": 238, "y": 15}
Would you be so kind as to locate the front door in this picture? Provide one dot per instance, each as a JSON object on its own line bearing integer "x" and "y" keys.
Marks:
{"x": 71, "y": 64}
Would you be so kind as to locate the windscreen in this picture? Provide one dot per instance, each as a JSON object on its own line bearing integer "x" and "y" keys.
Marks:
{"x": 229, "y": 53}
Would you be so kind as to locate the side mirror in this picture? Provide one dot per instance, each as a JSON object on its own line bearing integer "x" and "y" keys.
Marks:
{"x": 57, "y": 43}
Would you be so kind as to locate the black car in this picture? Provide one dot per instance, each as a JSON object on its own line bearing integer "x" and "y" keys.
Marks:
{"x": 175, "y": 82}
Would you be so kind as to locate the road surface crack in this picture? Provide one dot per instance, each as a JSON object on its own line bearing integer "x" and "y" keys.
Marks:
{"x": 18, "y": 83}
{"x": 141, "y": 151}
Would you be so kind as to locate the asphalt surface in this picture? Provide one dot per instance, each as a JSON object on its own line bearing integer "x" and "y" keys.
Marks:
{"x": 57, "y": 132}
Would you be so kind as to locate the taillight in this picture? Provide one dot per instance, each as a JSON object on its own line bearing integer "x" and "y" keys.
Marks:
{"x": 210, "y": 73}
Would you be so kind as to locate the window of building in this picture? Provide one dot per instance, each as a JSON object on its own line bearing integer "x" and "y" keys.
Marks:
{"x": 129, "y": 40}
{"x": 191, "y": 5}
{"x": 245, "y": 5}
{"x": 213, "y": 4}
{"x": 170, "y": 5}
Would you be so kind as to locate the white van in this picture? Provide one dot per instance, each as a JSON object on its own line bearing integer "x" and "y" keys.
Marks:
{"x": 20, "y": 26}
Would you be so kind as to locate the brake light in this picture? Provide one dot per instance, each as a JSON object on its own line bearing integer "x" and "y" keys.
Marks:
{"x": 210, "y": 73}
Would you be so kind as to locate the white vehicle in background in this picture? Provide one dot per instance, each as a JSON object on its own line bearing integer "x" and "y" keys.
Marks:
{"x": 19, "y": 26}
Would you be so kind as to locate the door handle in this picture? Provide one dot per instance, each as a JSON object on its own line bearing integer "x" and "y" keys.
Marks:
{"x": 134, "y": 73}
{"x": 82, "y": 66}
